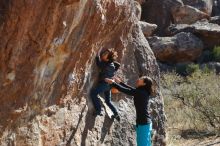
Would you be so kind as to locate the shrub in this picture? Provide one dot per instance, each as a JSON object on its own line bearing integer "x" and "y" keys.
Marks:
{"x": 216, "y": 53}
{"x": 192, "y": 102}
{"x": 192, "y": 68}
{"x": 181, "y": 69}
{"x": 187, "y": 69}
{"x": 206, "y": 69}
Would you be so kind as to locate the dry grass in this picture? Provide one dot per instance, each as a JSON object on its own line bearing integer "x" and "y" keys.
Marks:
{"x": 192, "y": 106}
{"x": 209, "y": 141}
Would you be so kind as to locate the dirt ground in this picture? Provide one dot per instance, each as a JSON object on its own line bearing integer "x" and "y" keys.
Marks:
{"x": 208, "y": 141}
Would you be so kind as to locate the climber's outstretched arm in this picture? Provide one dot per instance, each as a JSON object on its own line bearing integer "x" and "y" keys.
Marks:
{"x": 99, "y": 62}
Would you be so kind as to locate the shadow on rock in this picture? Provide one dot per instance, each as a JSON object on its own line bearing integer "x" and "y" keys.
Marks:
{"x": 75, "y": 129}
{"x": 89, "y": 124}
{"x": 191, "y": 133}
{"x": 106, "y": 127}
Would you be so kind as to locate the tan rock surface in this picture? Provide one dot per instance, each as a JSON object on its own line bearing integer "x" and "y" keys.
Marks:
{"x": 203, "y": 5}
{"x": 188, "y": 15}
{"x": 47, "y": 68}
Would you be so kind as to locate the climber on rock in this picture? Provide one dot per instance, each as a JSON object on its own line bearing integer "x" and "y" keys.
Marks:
{"x": 108, "y": 67}
{"x": 142, "y": 92}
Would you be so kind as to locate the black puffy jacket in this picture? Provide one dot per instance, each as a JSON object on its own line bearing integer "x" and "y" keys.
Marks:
{"x": 107, "y": 69}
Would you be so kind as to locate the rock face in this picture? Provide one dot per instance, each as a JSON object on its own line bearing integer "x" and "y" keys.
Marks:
{"x": 141, "y": 1}
{"x": 159, "y": 12}
{"x": 47, "y": 70}
{"x": 209, "y": 33}
{"x": 203, "y": 5}
{"x": 147, "y": 28}
{"x": 182, "y": 47}
{"x": 187, "y": 15}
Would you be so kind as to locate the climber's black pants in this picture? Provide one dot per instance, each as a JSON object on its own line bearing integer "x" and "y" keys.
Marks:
{"x": 105, "y": 88}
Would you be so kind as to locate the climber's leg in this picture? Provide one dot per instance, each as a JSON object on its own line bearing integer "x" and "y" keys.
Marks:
{"x": 100, "y": 88}
{"x": 109, "y": 103}
{"x": 144, "y": 134}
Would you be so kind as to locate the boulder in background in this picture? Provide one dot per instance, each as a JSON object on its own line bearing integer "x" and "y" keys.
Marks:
{"x": 147, "y": 28}
{"x": 212, "y": 66}
{"x": 182, "y": 47}
{"x": 159, "y": 12}
{"x": 187, "y": 15}
{"x": 215, "y": 20}
{"x": 209, "y": 33}
{"x": 203, "y": 5}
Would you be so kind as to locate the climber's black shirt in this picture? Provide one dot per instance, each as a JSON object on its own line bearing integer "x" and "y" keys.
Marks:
{"x": 141, "y": 101}
{"x": 107, "y": 69}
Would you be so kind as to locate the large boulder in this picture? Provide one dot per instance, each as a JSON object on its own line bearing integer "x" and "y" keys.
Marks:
{"x": 159, "y": 12}
{"x": 209, "y": 33}
{"x": 211, "y": 66}
{"x": 47, "y": 70}
{"x": 140, "y": 56}
{"x": 183, "y": 47}
{"x": 203, "y": 5}
{"x": 215, "y": 20}
{"x": 138, "y": 10}
{"x": 141, "y": 1}
{"x": 187, "y": 15}
{"x": 147, "y": 28}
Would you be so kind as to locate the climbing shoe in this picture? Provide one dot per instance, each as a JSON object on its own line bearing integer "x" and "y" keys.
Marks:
{"x": 117, "y": 117}
{"x": 97, "y": 113}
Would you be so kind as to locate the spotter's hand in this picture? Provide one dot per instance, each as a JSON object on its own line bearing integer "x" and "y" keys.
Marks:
{"x": 117, "y": 80}
{"x": 109, "y": 81}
